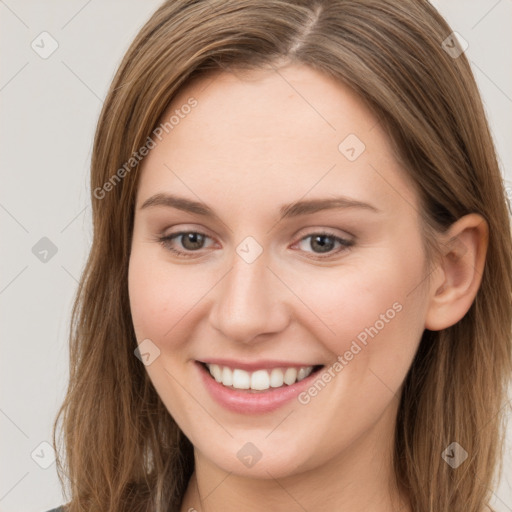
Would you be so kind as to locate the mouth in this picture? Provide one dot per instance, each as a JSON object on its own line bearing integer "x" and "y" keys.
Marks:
{"x": 255, "y": 388}
{"x": 260, "y": 380}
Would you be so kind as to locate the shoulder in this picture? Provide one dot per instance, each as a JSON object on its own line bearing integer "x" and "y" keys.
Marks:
{"x": 58, "y": 509}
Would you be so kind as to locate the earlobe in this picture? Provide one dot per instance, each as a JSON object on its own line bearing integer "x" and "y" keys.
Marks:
{"x": 460, "y": 271}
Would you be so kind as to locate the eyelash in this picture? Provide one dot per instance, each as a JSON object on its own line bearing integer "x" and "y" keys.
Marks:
{"x": 165, "y": 242}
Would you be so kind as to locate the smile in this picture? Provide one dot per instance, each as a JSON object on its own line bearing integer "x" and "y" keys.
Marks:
{"x": 255, "y": 388}
{"x": 259, "y": 380}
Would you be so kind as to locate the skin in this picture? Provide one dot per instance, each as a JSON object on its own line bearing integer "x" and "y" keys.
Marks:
{"x": 254, "y": 142}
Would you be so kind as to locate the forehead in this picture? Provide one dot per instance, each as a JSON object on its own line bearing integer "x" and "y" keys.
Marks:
{"x": 269, "y": 133}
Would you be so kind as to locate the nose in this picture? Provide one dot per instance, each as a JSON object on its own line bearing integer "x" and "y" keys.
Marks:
{"x": 250, "y": 301}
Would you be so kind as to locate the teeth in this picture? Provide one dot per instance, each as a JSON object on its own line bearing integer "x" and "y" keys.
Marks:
{"x": 241, "y": 379}
{"x": 259, "y": 380}
{"x": 290, "y": 376}
{"x": 302, "y": 374}
{"x": 226, "y": 376}
{"x": 276, "y": 378}
{"x": 216, "y": 372}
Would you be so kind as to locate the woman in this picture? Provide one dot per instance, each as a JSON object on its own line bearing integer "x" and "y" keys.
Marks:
{"x": 298, "y": 292}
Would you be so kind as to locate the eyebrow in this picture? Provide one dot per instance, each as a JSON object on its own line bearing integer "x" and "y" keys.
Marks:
{"x": 304, "y": 207}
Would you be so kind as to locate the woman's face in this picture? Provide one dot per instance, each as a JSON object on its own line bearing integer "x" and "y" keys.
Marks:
{"x": 302, "y": 253}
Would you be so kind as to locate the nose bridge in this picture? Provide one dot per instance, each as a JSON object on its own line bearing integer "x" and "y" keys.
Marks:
{"x": 248, "y": 302}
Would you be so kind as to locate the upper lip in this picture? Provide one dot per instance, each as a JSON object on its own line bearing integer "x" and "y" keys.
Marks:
{"x": 257, "y": 365}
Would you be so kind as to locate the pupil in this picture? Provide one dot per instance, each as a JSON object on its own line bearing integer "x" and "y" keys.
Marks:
{"x": 196, "y": 240}
{"x": 324, "y": 247}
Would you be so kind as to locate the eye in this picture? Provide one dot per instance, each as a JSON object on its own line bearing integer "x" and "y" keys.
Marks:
{"x": 324, "y": 242}
{"x": 191, "y": 241}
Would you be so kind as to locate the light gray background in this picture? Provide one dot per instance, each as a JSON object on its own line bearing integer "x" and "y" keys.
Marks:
{"x": 49, "y": 112}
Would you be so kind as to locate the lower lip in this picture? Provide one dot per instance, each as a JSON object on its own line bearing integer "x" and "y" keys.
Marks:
{"x": 245, "y": 402}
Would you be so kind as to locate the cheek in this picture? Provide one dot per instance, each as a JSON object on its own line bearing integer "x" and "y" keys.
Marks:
{"x": 153, "y": 297}
{"x": 162, "y": 303}
{"x": 148, "y": 299}
{"x": 166, "y": 299}
{"x": 375, "y": 303}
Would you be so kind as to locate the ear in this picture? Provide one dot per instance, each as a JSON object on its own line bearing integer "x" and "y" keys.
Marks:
{"x": 458, "y": 276}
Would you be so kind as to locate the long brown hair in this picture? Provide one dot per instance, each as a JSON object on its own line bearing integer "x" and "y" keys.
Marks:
{"x": 123, "y": 451}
